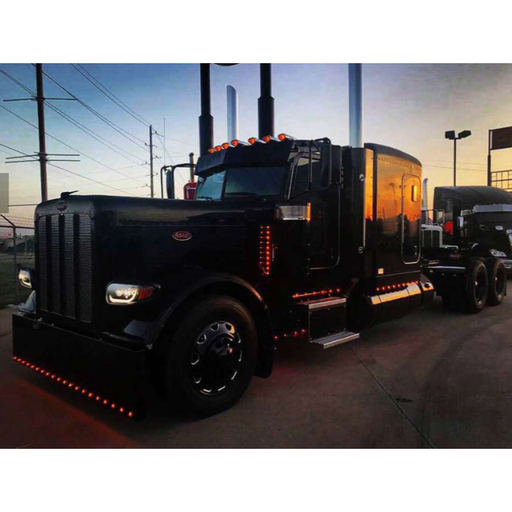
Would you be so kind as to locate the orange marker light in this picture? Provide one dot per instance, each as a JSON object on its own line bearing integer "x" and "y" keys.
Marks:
{"x": 218, "y": 148}
{"x": 225, "y": 145}
{"x": 211, "y": 150}
{"x": 130, "y": 414}
{"x": 234, "y": 143}
{"x": 252, "y": 140}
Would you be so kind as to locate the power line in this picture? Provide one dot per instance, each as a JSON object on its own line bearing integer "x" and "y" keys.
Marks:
{"x": 15, "y": 150}
{"x": 94, "y": 135}
{"x": 49, "y": 135}
{"x": 459, "y": 168}
{"x": 127, "y": 135}
{"x": 451, "y": 162}
{"x": 109, "y": 94}
{"x": 165, "y": 149}
{"x": 80, "y": 126}
{"x": 75, "y": 173}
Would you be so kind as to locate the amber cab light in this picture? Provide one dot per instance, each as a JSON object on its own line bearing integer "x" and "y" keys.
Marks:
{"x": 268, "y": 138}
{"x": 284, "y": 136}
{"x": 211, "y": 150}
{"x": 236, "y": 142}
{"x": 252, "y": 140}
{"x": 225, "y": 145}
{"x": 218, "y": 148}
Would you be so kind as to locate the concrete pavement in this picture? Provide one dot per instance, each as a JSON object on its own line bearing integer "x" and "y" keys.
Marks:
{"x": 433, "y": 379}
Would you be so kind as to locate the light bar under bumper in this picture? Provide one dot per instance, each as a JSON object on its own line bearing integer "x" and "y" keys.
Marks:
{"x": 116, "y": 373}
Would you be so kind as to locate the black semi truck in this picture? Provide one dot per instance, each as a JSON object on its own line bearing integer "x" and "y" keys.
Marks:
{"x": 467, "y": 249}
{"x": 294, "y": 240}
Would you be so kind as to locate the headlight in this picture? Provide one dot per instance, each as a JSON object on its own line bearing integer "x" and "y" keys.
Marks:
{"x": 125, "y": 294}
{"x": 25, "y": 277}
{"x": 497, "y": 254}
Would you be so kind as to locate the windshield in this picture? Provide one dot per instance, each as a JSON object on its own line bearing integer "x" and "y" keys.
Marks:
{"x": 495, "y": 219}
{"x": 243, "y": 182}
{"x": 209, "y": 188}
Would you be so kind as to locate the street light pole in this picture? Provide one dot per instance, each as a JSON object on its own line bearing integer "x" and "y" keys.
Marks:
{"x": 455, "y": 162}
{"x": 450, "y": 135}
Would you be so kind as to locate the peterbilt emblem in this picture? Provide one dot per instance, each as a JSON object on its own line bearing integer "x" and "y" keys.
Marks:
{"x": 62, "y": 205}
{"x": 182, "y": 236}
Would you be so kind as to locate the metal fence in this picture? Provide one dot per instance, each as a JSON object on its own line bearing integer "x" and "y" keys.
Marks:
{"x": 16, "y": 249}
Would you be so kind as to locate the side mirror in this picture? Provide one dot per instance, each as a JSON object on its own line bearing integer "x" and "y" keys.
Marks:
{"x": 439, "y": 217}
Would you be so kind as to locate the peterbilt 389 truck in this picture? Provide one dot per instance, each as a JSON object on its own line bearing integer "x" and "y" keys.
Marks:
{"x": 293, "y": 241}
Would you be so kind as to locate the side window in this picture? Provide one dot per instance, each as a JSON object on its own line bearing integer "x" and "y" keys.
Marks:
{"x": 411, "y": 216}
{"x": 301, "y": 176}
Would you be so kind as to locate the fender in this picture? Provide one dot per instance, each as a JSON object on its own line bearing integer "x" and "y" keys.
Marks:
{"x": 181, "y": 289}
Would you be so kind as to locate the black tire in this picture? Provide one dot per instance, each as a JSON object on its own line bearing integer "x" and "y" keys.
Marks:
{"x": 215, "y": 345}
{"x": 497, "y": 274}
{"x": 477, "y": 287}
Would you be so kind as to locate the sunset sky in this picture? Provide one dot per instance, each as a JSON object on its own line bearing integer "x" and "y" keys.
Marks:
{"x": 407, "y": 106}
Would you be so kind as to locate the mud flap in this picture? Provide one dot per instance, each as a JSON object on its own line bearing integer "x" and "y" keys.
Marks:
{"x": 111, "y": 374}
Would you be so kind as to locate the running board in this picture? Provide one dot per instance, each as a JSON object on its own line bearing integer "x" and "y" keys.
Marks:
{"x": 336, "y": 339}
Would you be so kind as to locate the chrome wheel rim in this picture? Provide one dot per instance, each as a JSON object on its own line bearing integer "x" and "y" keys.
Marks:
{"x": 215, "y": 358}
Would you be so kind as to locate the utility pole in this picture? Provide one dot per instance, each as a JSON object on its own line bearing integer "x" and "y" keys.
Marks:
{"x": 151, "y": 159}
{"x": 42, "y": 133}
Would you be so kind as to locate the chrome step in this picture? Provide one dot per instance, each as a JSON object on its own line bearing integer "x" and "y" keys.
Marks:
{"x": 324, "y": 303}
{"x": 336, "y": 339}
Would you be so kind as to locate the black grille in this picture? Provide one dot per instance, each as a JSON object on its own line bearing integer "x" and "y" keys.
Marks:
{"x": 64, "y": 250}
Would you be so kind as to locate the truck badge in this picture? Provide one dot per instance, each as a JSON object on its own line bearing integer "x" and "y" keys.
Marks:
{"x": 62, "y": 205}
{"x": 182, "y": 236}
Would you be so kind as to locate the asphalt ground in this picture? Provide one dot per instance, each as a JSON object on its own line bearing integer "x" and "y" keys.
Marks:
{"x": 432, "y": 379}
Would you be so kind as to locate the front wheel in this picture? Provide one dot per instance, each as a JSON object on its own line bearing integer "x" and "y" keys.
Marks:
{"x": 212, "y": 356}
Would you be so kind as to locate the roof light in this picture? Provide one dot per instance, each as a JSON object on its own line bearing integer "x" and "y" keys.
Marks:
{"x": 237, "y": 142}
{"x": 225, "y": 145}
{"x": 283, "y": 136}
{"x": 211, "y": 150}
{"x": 218, "y": 148}
{"x": 268, "y": 138}
{"x": 254, "y": 140}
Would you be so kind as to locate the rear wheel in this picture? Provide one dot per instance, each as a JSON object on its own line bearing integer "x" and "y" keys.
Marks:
{"x": 212, "y": 356}
{"x": 497, "y": 281}
{"x": 477, "y": 287}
